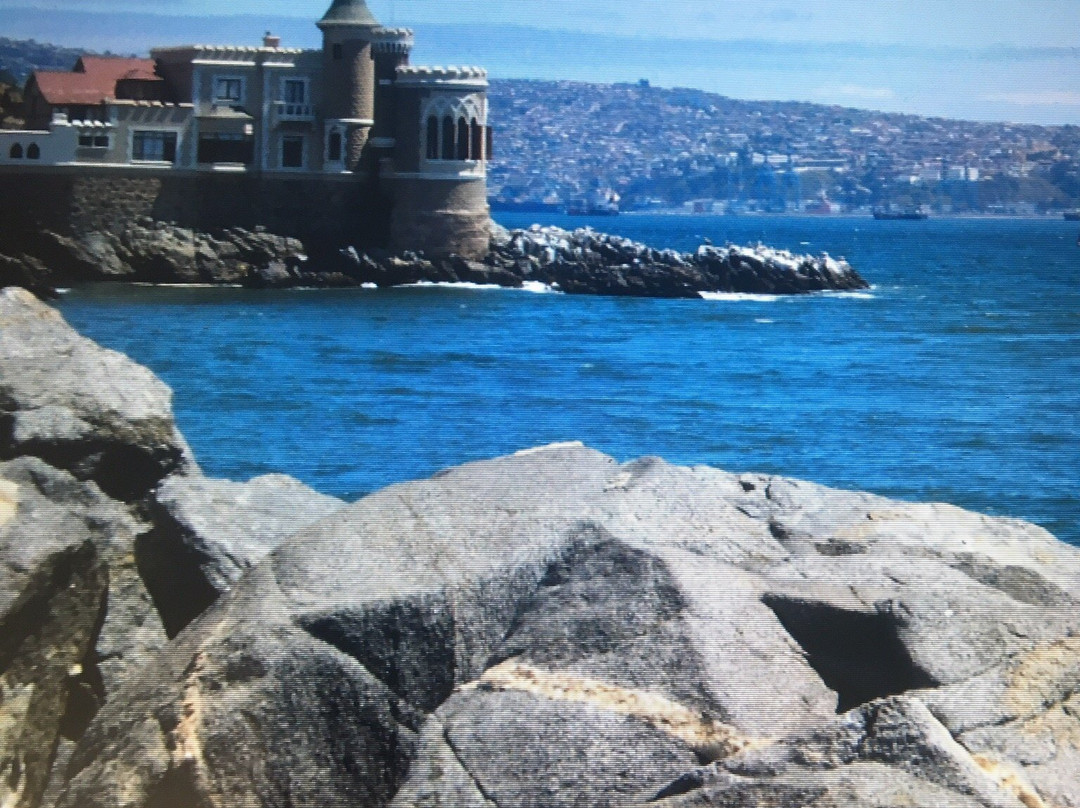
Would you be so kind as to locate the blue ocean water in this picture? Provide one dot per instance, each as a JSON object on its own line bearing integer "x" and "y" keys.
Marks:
{"x": 957, "y": 378}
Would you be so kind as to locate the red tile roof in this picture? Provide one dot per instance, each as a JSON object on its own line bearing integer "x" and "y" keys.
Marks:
{"x": 93, "y": 80}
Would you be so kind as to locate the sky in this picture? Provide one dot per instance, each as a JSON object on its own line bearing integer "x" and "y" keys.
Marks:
{"x": 983, "y": 59}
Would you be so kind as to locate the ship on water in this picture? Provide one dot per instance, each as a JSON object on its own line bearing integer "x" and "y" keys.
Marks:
{"x": 903, "y": 214}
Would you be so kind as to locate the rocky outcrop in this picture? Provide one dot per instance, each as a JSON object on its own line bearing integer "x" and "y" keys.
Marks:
{"x": 557, "y": 629}
{"x": 552, "y": 628}
{"x": 79, "y": 407}
{"x": 587, "y": 262}
{"x": 209, "y": 532}
{"x": 578, "y": 262}
{"x": 88, "y": 437}
{"x": 151, "y": 251}
{"x": 73, "y": 617}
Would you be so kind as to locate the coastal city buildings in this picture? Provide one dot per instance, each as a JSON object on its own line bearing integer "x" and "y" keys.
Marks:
{"x": 687, "y": 149}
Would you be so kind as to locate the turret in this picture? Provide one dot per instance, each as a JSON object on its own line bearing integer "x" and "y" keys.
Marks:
{"x": 440, "y": 160}
{"x": 391, "y": 48}
{"x": 348, "y": 79}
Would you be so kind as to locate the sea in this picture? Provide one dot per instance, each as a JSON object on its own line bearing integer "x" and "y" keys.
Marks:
{"x": 955, "y": 378}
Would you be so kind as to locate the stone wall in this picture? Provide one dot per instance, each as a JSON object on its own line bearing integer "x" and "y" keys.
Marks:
{"x": 441, "y": 216}
{"x": 325, "y": 212}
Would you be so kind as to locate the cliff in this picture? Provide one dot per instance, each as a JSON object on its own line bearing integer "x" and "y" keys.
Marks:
{"x": 552, "y": 628}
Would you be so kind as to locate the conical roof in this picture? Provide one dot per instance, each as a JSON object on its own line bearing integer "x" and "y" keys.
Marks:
{"x": 349, "y": 12}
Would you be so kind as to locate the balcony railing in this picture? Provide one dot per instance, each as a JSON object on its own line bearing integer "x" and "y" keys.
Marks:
{"x": 287, "y": 111}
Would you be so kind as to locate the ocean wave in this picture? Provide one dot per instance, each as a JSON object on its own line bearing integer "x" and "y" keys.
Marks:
{"x": 850, "y": 295}
{"x": 739, "y": 297}
{"x": 450, "y": 285}
{"x": 538, "y": 288}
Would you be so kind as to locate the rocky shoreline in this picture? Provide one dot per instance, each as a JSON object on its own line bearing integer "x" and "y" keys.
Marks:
{"x": 552, "y": 628}
{"x": 582, "y": 261}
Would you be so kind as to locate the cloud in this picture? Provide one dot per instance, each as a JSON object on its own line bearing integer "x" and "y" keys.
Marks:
{"x": 1038, "y": 98}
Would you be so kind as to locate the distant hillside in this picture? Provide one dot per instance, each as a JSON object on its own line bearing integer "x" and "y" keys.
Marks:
{"x": 560, "y": 141}
{"x": 20, "y": 58}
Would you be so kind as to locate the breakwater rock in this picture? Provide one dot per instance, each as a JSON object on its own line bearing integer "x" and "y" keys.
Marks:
{"x": 552, "y": 628}
{"x": 575, "y": 262}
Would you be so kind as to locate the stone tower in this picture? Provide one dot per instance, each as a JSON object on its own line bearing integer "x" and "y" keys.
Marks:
{"x": 349, "y": 75}
{"x": 440, "y": 160}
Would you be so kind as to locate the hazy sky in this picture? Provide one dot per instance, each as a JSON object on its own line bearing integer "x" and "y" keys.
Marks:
{"x": 1012, "y": 59}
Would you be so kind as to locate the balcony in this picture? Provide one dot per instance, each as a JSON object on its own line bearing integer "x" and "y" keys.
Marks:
{"x": 288, "y": 112}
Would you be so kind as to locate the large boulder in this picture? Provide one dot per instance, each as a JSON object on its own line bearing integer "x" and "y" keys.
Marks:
{"x": 210, "y": 532}
{"x": 556, "y": 629}
{"x": 79, "y": 406}
{"x": 74, "y": 617}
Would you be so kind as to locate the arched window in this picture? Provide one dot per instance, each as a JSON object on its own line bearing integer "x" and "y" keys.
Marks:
{"x": 448, "y": 138}
{"x": 462, "y": 139}
{"x": 477, "y": 140}
{"x": 33, "y": 152}
{"x": 432, "y": 138}
{"x": 16, "y": 152}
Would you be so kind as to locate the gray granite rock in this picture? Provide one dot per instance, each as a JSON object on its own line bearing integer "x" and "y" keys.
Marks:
{"x": 74, "y": 617}
{"x": 81, "y": 407}
{"x": 554, "y": 628}
{"x": 209, "y": 532}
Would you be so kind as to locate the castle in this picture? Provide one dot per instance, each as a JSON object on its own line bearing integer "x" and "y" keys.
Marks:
{"x": 349, "y": 143}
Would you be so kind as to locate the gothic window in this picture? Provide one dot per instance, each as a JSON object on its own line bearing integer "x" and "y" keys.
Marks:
{"x": 448, "y": 127}
{"x": 33, "y": 152}
{"x": 16, "y": 152}
{"x": 477, "y": 140}
{"x": 462, "y": 139}
{"x": 432, "y": 138}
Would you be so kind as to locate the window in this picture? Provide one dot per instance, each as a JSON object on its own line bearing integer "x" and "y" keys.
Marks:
{"x": 228, "y": 90}
{"x": 152, "y": 146}
{"x": 333, "y": 148}
{"x": 448, "y": 138}
{"x": 337, "y": 50}
{"x": 462, "y": 139}
{"x": 16, "y": 152}
{"x": 433, "y": 138}
{"x": 96, "y": 140}
{"x": 292, "y": 151}
{"x": 295, "y": 91}
{"x": 226, "y": 148}
{"x": 477, "y": 146}
{"x": 33, "y": 152}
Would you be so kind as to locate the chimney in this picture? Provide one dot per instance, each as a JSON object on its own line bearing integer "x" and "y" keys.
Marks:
{"x": 271, "y": 41}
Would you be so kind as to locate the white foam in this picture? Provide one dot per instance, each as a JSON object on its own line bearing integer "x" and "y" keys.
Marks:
{"x": 539, "y": 288}
{"x": 551, "y": 447}
{"x": 850, "y": 295}
{"x": 764, "y": 321}
{"x": 450, "y": 285}
{"x": 369, "y": 285}
{"x": 739, "y": 297}
{"x": 190, "y": 285}
{"x": 63, "y": 291}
